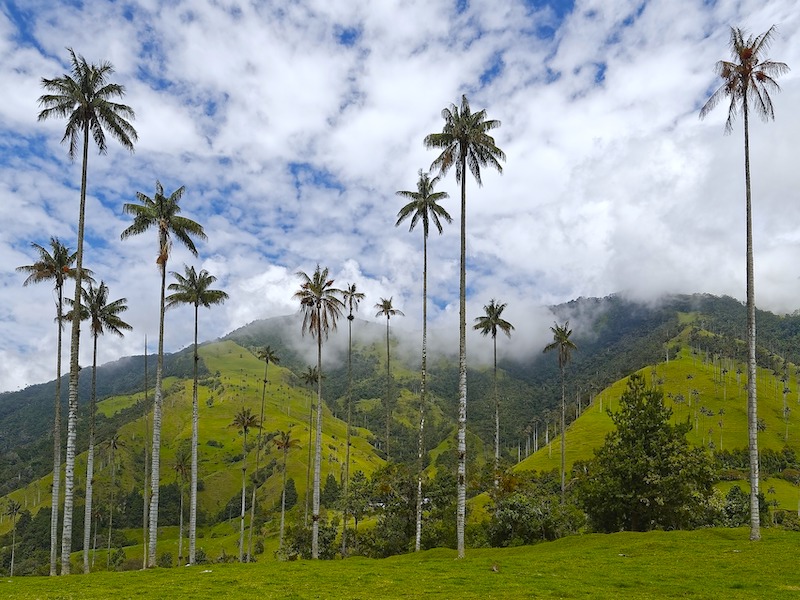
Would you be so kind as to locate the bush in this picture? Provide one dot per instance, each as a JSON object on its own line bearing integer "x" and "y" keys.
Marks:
{"x": 165, "y": 560}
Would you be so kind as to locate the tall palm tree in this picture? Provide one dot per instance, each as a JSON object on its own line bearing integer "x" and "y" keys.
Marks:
{"x": 58, "y": 267}
{"x": 352, "y": 298}
{"x": 114, "y": 443}
{"x": 385, "y": 309}
{"x": 489, "y": 323}
{"x": 85, "y": 98}
{"x": 244, "y": 421}
{"x": 321, "y": 306}
{"x": 194, "y": 288}
{"x": 268, "y": 355}
{"x": 747, "y": 80}
{"x": 310, "y": 377}
{"x": 284, "y": 442}
{"x": 565, "y": 346}
{"x": 465, "y": 143}
{"x": 103, "y": 316}
{"x": 183, "y": 469}
{"x": 163, "y": 213}
{"x": 423, "y": 207}
{"x": 12, "y": 510}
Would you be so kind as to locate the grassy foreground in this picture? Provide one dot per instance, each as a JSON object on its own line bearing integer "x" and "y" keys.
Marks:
{"x": 711, "y": 563}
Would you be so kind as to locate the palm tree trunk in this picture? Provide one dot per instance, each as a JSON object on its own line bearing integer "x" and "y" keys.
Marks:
{"x": 74, "y": 371}
{"x": 54, "y": 504}
{"x": 563, "y": 437}
{"x": 308, "y": 462}
{"x": 752, "y": 405}
{"x": 283, "y": 501}
{"x": 317, "y": 447}
{"x": 347, "y": 451}
{"x": 146, "y": 462}
{"x": 258, "y": 457}
{"x": 13, "y": 542}
{"x": 244, "y": 496}
{"x": 155, "y": 467}
{"x": 422, "y": 391}
{"x": 180, "y": 529}
{"x": 496, "y": 419}
{"x": 87, "y": 513}
{"x": 462, "y": 370}
{"x": 111, "y": 507}
{"x": 195, "y": 439}
{"x": 388, "y": 389}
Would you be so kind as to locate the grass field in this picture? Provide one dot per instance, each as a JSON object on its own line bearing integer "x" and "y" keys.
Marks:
{"x": 709, "y": 563}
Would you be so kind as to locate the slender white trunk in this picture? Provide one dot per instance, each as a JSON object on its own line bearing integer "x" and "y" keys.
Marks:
{"x": 422, "y": 392}
{"x": 87, "y": 513}
{"x": 283, "y": 500}
{"x": 74, "y": 371}
{"x": 258, "y": 458}
{"x": 317, "y": 446}
{"x": 146, "y": 462}
{"x": 180, "y": 532}
{"x": 496, "y": 419}
{"x": 752, "y": 404}
{"x": 244, "y": 498}
{"x": 155, "y": 466}
{"x": 347, "y": 452}
{"x": 195, "y": 437}
{"x": 461, "y": 481}
{"x": 55, "y": 499}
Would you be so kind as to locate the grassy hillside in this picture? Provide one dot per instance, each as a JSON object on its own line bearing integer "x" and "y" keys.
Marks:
{"x": 703, "y": 564}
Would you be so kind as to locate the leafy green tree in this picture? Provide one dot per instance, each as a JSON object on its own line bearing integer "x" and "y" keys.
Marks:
{"x": 423, "y": 207}
{"x": 465, "y": 143}
{"x": 356, "y": 501}
{"x": 85, "y": 98}
{"x": 489, "y": 323}
{"x": 162, "y": 213}
{"x": 646, "y": 475}
{"x": 58, "y": 267}
{"x": 385, "y": 309}
{"x": 268, "y": 355}
{"x": 321, "y": 306}
{"x": 565, "y": 346}
{"x": 284, "y": 442}
{"x": 194, "y": 288}
{"x": 103, "y": 316}
{"x": 352, "y": 298}
{"x": 244, "y": 421}
{"x": 747, "y": 81}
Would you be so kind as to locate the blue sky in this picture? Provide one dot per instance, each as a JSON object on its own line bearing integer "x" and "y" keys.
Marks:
{"x": 292, "y": 125}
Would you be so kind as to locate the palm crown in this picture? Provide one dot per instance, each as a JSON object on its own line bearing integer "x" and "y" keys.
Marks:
{"x": 84, "y": 98}
{"x": 194, "y": 288}
{"x": 424, "y": 205}
{"x": 490, "y": 322}
{"x": 319, "y": 301}
{"x": 748, "y": 79}
{"x": 351, "y": 299}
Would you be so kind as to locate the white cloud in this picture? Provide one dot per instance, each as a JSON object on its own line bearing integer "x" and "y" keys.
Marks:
{"x": 292, "y": 144}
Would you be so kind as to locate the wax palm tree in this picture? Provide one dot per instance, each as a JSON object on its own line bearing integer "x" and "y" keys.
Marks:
{"x": 114, "y": 443}
{"x": 352, "y": 298}
{"x": 385, "y": 309}
{"x": 268, "y": 355}
{"x": 310, "y": 377}
{"x": 488, "y": 324}
{"x": 85, "y": 98}
{"x": 321, "y": 306}
{"x": 423, "y": 207}
{"x": 565, "y": 346}
{"x": 194, "y": 288}
{"x": 162, "y": 213}
{"x": 12, "y": 510}
{"x": 244, "y": 421}
{"x": 103, "y": 316}
{"x": 747, "y": 80}
{"x": 465, "y": 143}
{"x": 183, "y": 471}
{"x": 56, "y": 266}
{"x": 284, "y": 442}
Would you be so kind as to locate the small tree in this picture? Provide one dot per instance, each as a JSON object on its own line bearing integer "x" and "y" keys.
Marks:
{"x": 645, "y": 475}
{"x": 12, "y": 510}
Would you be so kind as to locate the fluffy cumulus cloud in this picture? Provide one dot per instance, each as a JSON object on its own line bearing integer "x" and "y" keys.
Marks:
{"x": 293, "y": 124}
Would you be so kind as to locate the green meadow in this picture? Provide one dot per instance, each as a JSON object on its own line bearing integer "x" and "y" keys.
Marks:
{"x": 707, "y": 563}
